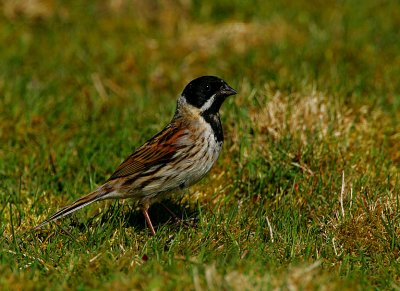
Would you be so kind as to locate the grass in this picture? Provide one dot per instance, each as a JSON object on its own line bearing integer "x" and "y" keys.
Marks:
{"x": 305, "y": 194}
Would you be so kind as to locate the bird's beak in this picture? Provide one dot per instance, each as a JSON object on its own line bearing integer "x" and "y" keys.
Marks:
{"x": 227, "y": 90}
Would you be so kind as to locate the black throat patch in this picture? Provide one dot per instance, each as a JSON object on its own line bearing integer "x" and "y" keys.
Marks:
{"x": 215, "y": 122}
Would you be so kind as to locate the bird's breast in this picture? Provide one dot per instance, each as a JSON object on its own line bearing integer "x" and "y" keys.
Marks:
{"x": 206, "y": 149}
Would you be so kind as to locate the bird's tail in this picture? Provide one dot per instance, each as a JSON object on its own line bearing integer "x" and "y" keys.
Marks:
{"x": 78, "y": 204}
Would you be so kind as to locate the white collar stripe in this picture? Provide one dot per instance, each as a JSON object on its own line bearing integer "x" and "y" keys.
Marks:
{"x": 208, "y": 104}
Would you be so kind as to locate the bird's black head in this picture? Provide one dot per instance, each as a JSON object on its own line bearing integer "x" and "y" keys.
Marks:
{"x": 207, "y": 93}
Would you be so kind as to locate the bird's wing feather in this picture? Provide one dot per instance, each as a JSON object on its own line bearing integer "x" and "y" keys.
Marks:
{"x": 160, "y": 149}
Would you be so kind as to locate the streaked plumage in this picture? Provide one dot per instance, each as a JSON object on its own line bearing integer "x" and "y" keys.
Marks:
{"x": 177, "y": 157}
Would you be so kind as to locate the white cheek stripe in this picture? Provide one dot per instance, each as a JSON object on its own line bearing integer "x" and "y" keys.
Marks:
{"x": 208, "y": 104}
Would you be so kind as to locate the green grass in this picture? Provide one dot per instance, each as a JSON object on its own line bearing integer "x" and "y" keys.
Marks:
{"x": 82, "y": 85}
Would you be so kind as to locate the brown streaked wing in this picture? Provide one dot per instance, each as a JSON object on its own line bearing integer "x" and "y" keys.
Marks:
{"x": 159, "y": 150}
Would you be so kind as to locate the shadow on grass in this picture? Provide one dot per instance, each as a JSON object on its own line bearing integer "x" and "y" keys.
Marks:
{"x": 117, "y": 215}
{"x": 133, "y": 217}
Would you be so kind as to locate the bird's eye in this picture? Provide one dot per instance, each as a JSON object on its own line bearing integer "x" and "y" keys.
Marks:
{"x": 208, "y": 88}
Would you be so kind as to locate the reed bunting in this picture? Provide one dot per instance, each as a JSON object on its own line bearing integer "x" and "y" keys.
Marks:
{"x": 175, "y": 158}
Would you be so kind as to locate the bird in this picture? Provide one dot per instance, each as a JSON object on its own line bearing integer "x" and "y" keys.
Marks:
{"x": 175, "y": 158}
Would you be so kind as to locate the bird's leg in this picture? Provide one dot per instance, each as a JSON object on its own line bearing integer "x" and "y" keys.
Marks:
{"x": 177, "y": 219}
{"x": 148, "y": 220}
{"x": 174, "y": 216}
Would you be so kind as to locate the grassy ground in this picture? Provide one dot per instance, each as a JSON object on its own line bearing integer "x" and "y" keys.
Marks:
{"x": 305, "y": 194}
